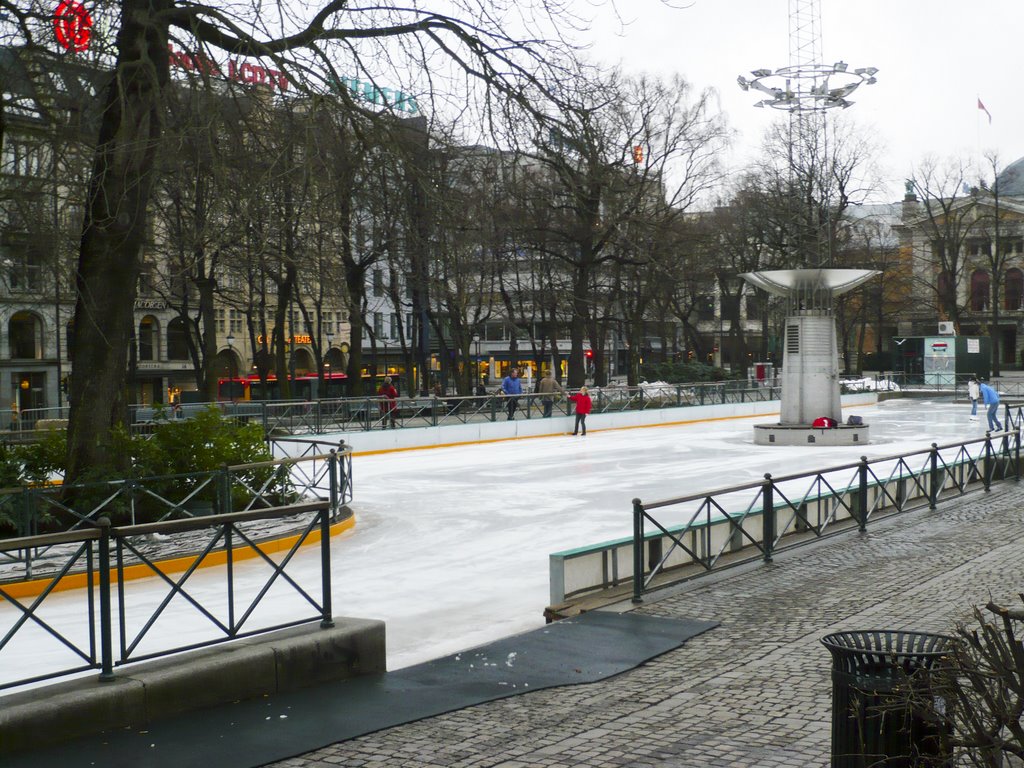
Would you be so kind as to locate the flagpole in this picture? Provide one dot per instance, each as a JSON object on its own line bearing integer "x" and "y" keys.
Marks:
{"x": 977, "y": 130}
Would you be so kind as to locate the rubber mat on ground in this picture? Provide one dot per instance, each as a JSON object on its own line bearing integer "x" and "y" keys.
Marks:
{"x": 245, "y": 734}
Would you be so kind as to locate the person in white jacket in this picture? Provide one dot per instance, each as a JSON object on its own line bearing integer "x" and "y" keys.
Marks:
{"x": 973, "y": 392}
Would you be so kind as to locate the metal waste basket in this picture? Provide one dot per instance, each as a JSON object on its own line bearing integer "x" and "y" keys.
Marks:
{"x": 873, "y": 724}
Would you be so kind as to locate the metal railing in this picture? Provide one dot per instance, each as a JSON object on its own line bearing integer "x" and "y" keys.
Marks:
{"x": 316, "y": 474}
{"x": 954, "y": 384}
{"x": 134, "y": 620}
{"x": 365, "y": 413}
{"x": 360, "y": 414}
{"x": 752, "y": 521}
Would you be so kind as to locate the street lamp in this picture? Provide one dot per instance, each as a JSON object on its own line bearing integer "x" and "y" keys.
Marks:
{"x": 231, "y": 364}
{"x": 330, "y": 341}
{"x": 476, "y": 340}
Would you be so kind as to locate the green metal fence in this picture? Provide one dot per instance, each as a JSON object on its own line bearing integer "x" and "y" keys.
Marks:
{"x": 117, "y": 624}
{"x": 323, "y": 471}
{"x": 736, "y": 524}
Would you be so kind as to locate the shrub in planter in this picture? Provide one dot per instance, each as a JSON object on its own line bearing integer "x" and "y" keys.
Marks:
{"x": 681, "y": 373}
{"x": 198, "y": 446}
{"x": 188, "y": 449}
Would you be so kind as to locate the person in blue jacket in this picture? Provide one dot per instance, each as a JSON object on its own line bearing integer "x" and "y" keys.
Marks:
{"x": 990, "y": 398}
{"x": 512, "y": 388}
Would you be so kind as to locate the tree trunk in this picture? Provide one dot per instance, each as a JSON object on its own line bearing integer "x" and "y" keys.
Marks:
{"x": 355, "y": 282}
{"x": 208, "y": 336}
{"x": 108, "y": 263}
{"x": 283, "y": 344}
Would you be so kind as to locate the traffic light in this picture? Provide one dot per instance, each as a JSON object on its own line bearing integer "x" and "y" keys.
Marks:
{"x": 588, "y": 353}
{"x": 638, "y": 154}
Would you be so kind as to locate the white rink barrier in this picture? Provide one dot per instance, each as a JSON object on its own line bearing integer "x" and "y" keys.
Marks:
{"x": 486, "y": 431}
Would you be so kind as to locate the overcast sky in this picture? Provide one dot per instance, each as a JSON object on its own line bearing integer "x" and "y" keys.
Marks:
{"x": 935, "y": 58}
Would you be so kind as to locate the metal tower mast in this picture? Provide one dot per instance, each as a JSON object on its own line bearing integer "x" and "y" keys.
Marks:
{"x": 807, "y": 88}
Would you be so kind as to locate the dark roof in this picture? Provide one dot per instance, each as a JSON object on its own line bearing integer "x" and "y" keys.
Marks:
{"x": 1011, "y": 180}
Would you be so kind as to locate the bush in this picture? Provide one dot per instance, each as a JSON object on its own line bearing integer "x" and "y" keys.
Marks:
{"x": 202, "y": 443}
{"x": 976, "y": 692}
{"x": 681, "y": 373}
{"x": 189, "y": 449}
{"x": 198, "y": 446}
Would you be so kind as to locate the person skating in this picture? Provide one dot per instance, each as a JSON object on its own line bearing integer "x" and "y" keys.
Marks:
{"x": 991, "y": 399}
{"x": 547, "y": 389}
{"x": 973, "y": 392}
{"x": 389, "y": 403}
{"x": 512, "y": 388}
{"x": 583, "y": 406}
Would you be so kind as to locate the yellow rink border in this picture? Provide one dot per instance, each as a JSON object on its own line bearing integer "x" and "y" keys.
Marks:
{"x": 684, "y": 422}
{"x": 35, "y": 587}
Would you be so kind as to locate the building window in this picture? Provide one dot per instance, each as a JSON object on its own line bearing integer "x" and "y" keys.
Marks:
{"x": 24, "y": 266}
{"x": 495, "y": 331}
{"x": 378, "y": 324}
{"x": 147, "y": 338}
{"x": 1013, "y": 293}
{"x": 705, "y": 306}
{"x": 979, "y": 290}
{"x": 220, "y": 314}
{"x": 23, "y": 335}
{"x": 235, "y": 320}
{"x": 23, "y": 159}
{"x": 978, "y": 248}
{"x": 394, "y": 325}
{"x": 1010, "y": 246}
{"x": 177, "y": 340}
{"x": 147, "y": 287}
{"x": 378, "y": 282}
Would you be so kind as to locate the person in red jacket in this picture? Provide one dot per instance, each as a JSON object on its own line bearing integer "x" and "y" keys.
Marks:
{"x": 583, "y": 406}
{"x": 388, "y": 403}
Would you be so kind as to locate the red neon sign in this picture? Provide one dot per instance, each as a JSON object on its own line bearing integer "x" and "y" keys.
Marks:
{"x": 72, "y": 25}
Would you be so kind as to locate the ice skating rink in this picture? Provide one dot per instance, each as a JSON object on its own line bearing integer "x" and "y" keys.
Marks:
{"x": 451, "y": 544}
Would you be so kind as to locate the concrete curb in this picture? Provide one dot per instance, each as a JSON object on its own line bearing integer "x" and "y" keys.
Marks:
{"x": 142, "y": 693}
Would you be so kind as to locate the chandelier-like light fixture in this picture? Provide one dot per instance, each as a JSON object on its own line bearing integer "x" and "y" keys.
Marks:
{"x": 808, "y": 87}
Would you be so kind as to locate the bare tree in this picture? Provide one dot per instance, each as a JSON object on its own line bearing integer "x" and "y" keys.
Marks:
{"x": 992, "y": 213}
{"x": 618, "y": 146}
{"x": 486, "y": 42}
{"x": 947, "y": 219}
{"x": 471, "y": 225}
{"x": 870, "y": 243}
{"x": 972, "y": 699}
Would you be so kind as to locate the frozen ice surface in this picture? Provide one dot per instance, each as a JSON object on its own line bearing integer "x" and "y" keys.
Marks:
{"x": 451, "y": 544}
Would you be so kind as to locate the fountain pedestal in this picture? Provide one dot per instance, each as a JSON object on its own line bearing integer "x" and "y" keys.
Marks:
{"x": 810, "y": 357}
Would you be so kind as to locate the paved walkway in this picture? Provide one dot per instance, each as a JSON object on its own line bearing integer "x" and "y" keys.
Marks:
{"x": 754, "y": 692}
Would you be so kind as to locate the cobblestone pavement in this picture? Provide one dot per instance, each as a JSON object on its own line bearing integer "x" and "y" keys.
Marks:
{"x": 754, "y": 692}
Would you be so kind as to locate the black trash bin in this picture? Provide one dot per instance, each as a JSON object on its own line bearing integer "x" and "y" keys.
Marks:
{"x": 870, "y": 726}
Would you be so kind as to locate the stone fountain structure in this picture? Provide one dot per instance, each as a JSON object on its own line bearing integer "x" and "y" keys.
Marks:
{"x": 810, "y": 358}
